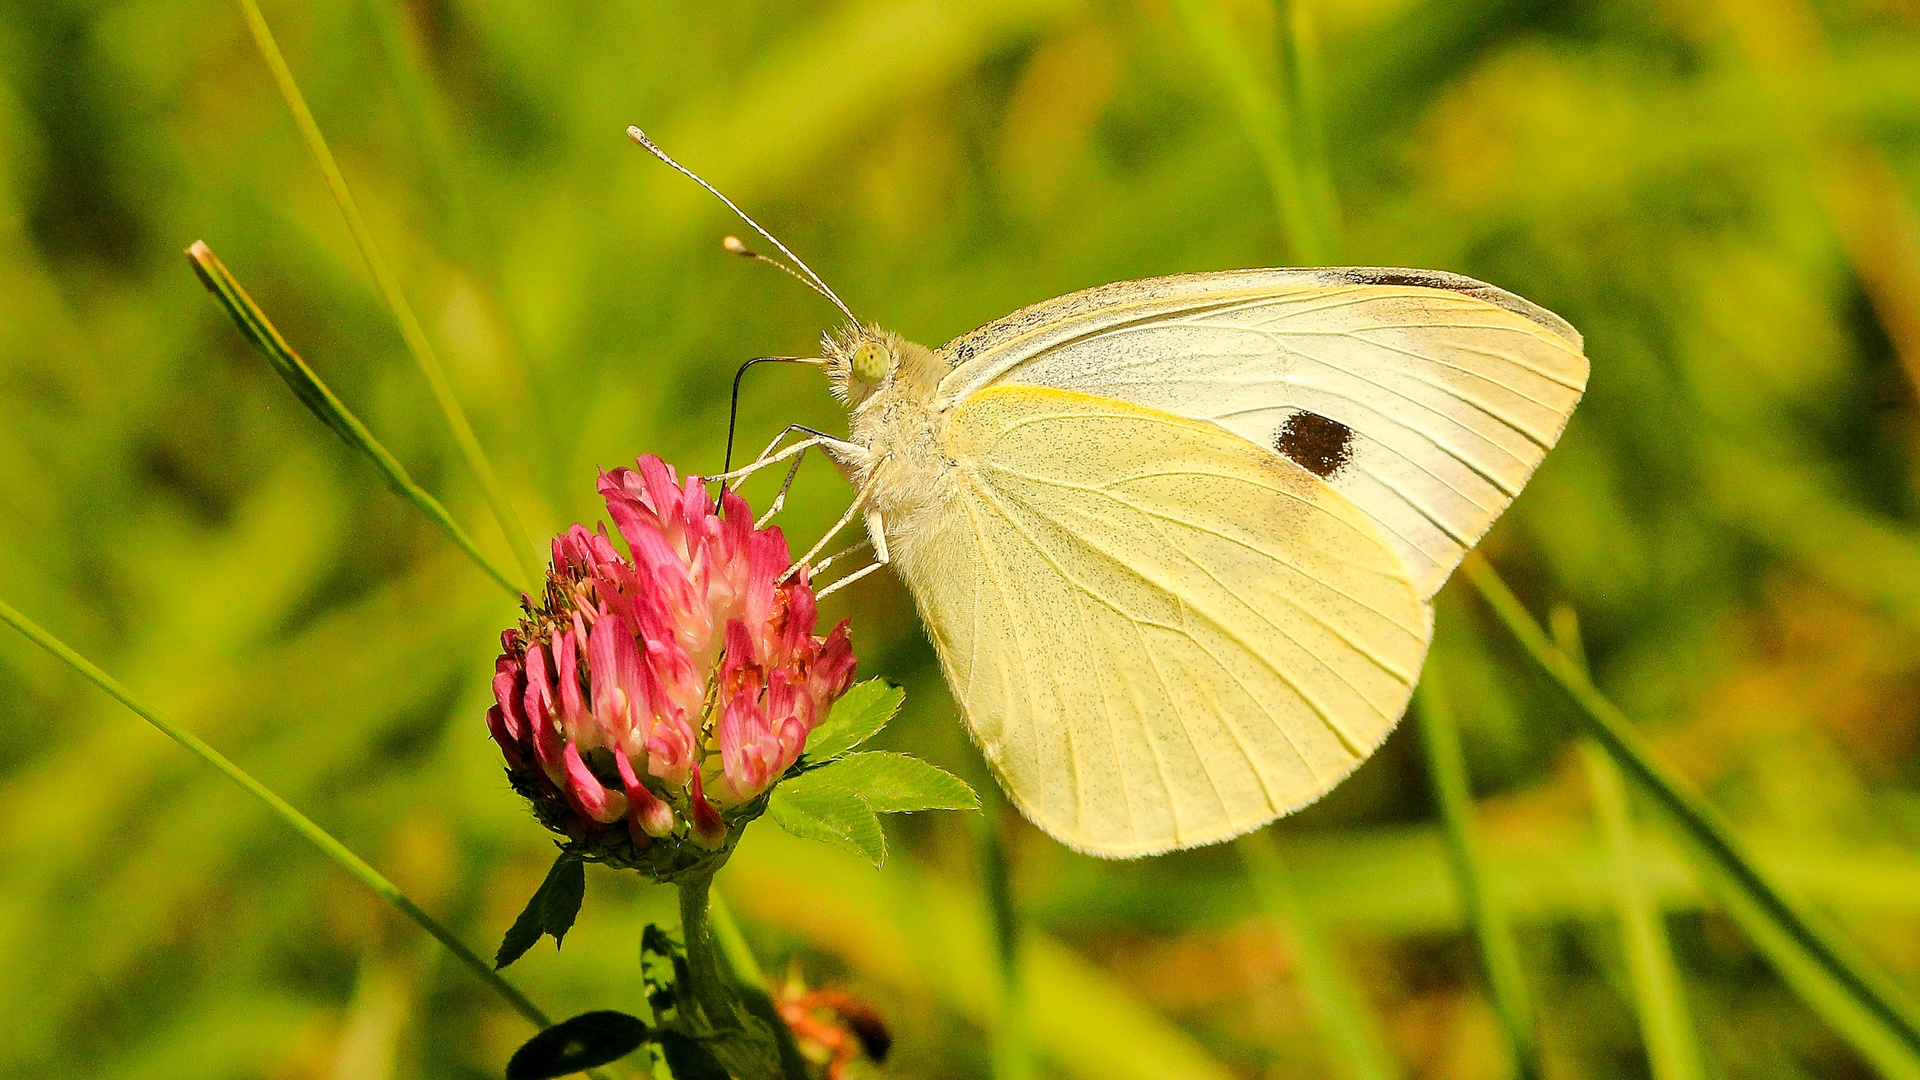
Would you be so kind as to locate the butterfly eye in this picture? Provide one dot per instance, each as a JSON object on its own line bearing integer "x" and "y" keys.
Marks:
{"x": 870, "y": 362}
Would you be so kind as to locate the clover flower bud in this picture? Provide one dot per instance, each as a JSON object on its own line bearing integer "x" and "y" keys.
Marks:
{"x": 655, "y": 697}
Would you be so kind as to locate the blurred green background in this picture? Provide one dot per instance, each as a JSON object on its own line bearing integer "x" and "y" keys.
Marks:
{"x": 1720, "y": 195}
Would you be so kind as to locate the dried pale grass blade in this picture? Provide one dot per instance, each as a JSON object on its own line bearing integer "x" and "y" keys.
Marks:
{"x": 326, "y": 405}
{"x": 410, "y": 329}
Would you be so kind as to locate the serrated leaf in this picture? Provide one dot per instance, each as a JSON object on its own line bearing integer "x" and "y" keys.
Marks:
{"x": 688, "y": 1059}
{"x": 587, "y": 1041}
{"x": 829, "y": 812}
{"x": 550, "y": 911}
{"x": 858, "y": 716}
{"x": 895, "y": 783}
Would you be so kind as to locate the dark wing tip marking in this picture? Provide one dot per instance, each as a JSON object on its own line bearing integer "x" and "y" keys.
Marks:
{"x": 1316, "y": 443}
{"x": 1466, "y": 286}
{"x": 1080, "y": 304}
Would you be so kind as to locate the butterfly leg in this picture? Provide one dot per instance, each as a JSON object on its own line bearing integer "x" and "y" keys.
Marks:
{"x": 848, "y": 550}
{"x": 757, "y": 464}
{"x": 859, "y": 501}
{"x": 848, "y": 580}
{"x": 844, "y": 454}
{"x": 877, "y": 536}
{"x": 780, "y": 438}
{"x": 780, "y": 500}
{"x": 877, "y": 532}
{"x": 839, "y": 448}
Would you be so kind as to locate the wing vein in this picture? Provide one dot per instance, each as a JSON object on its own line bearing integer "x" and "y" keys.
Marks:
{"x": 1298, "y": 690}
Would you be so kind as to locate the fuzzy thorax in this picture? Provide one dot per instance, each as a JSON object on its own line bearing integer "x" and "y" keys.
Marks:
{"x": 893, "y": 419}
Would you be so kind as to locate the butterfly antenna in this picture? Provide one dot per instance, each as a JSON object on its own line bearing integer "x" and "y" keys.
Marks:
{"x": 814, "y": 279}
{"x": 733, "y": 244}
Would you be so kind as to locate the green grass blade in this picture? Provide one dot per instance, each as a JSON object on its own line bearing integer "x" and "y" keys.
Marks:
{"x": 1659, "y": 996}
{"x": 353, "y": 864}
{"x": 316, "y": 396}
{"x": 1823, "y": 950}
{"x": 471, "y": 236}
{"x": 1273, "y": 80}
{"x": 1879, "y": 1044}
{"x": 410, "y": 328}
{"x": 1305, "y": 81}
{"x": 1440, "y": 738}
{"x": 1012, "y": 1033}
{"x": 1340, "y": 1006}
{"x": 1262, "y": 87}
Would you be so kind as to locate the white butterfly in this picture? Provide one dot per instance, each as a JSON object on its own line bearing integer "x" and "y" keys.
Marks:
{"x": 1175, "y": 540}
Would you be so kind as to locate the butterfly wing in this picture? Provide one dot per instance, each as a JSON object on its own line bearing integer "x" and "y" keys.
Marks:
{"x": 1425, "y": 398}
{"x": 1160, "y": 634}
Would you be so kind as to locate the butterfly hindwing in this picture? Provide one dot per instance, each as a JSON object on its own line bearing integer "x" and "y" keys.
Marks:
{"x": 1160, "y": 634}
{"x": 1426, "y": 399}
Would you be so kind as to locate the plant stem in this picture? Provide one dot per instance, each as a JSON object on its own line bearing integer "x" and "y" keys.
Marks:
{"x": 710, "y": 990}
{"x": 305, "y": 826}
{"x": 410, "y": 329}
{"x": 749, "y": 1031}
{"x": 1440, "y": 738}
{"x": 1700, "y": 821}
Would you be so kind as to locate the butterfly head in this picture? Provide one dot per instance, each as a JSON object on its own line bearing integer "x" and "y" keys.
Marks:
{"x": 859, "y": 360}
{"x": 864, "y": 360}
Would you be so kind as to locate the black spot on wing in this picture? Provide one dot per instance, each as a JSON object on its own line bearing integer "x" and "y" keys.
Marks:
{"x": 1315, "y": 443}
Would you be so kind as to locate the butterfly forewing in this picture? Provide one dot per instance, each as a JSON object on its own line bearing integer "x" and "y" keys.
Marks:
{"x": 1161, "y": 635}
{"x": 1426, "y": 399}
